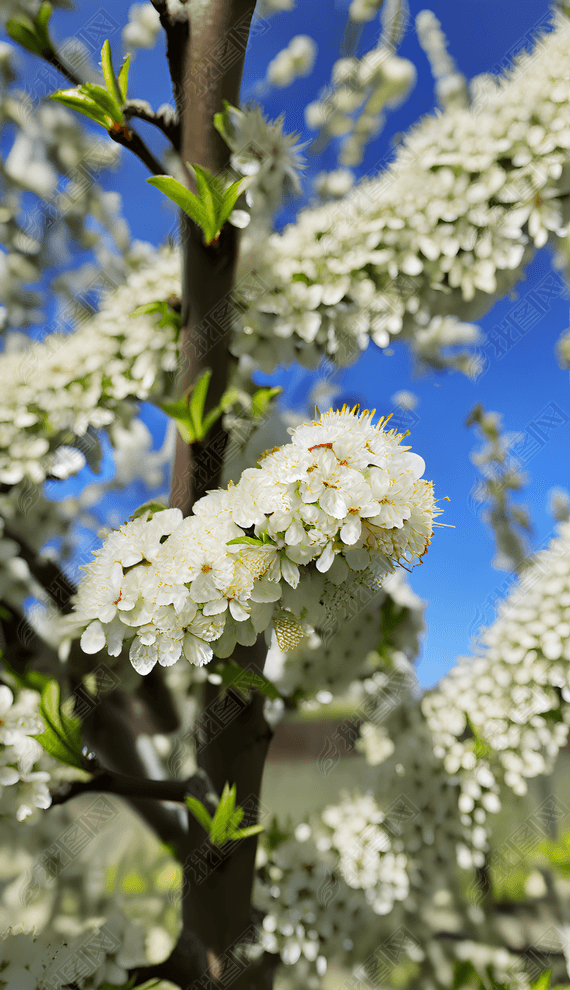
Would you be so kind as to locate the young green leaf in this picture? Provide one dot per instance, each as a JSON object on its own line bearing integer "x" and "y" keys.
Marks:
{"x": 187, "y": 201}
{"x": 231, "y": 196}
{"x": 261, "y": 399}
{"x": 124, "y": 77}
{"x": 245, "y": 681}
{"x": 200, "y": 813}
{"x": 151, "y": 507}
{"x": 42, "y": 22}
{"x": 223, "y": 814}
{"x": 93, "y": 101}
{"x": 222, "y": 124}
{"x": 243, "y": 833}
{"x": 179, "y": 412}
{"x": 31, "y": 34}
{"x": 109, "y": 75}
{"x": 197, "y": 402}
{"x": 543, "y": 981}
{"x": 62, "y": 737}
{"x": 32, "y": 679}
{"x": 104, "y": 100}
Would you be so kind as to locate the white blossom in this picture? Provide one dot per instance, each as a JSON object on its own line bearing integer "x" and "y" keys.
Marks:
{"x": 343, "y": 495}
{"x": 443, "y": 232}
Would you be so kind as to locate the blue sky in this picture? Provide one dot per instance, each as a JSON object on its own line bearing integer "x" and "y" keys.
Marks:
{"x": 524, "y": 383}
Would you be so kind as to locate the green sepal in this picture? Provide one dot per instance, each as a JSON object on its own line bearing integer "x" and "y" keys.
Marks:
{"x": 62, "y": 737}
{"x": 249, "y": 540}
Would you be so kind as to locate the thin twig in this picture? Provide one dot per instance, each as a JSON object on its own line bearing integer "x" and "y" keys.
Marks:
{"x": 170, "y": 128}
{"x": 54, "y": 59}
{"x": 198, "y": 785}
{"x": 128, "y": 138}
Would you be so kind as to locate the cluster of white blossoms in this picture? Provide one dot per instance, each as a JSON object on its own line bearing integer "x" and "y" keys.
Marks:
{"x": 142, "y": 28}
{"x": 446, "y": 229}
{"x": 292, "y": 62}
{"x": 59, "y": 387}
{"x": 23, "y": 787}
{"x": 512, "y": 701}
{"x": 326, "y": 883}
{"x": 342, "y": 503}
{"x": 98, "y": 955}
{"x": 260, "y": 149}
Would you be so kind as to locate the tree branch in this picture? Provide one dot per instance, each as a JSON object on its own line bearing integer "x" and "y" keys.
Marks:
{"x": 54, "y": 59}
{"x": 128, "y": 138}
{"x": 198, "y": 785}
{"x": 140, "y": 109}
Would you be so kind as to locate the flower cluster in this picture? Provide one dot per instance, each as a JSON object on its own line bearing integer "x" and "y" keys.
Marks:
{"x": 446, "y": 229}
{"x": 67, "y": 383}
{"x": 327, "y": 882}
{"x": 19, "y": 753}
{"x": 297, "y": 59}
{"x": 261, "y": 149}
{"x": 512, "y": 701}
{"x": 98, "y": 955}
{"x": 342, "y": 503}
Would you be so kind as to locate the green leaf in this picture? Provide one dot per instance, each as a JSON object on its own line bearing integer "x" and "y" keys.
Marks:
{"x": 62, "y": 737}
{"x": 245, "y": 539}
{"x": 109, "y": 75}
{"x": 170, "y": 318}
{"x": 223, "y": 814}
{"x": 243, "y": 833}
{"x": 78, "y": 99}
{"x": 245, "y": 681}
{"x": 104, "y": 100}
{"x": 230, "y": 199}
{"x": 124, "y": 77}
{"x": 463, "y": 973}
{"x": 197, "y": 402}
{"x": 31, "y": 34}
{"x": 186, "y": 200}
{"x": 200, "y": 813}
{"x": 179, "y": 412}
{"x": 261, "y": 399}
{"x": 221, "y": 123}
{"x": 125, "y": 986}
{"x": 212, "y": 206}
{"x": 543, "y": 981}
{"x": 151, "y": 507}
{"x": 211, "y": 417}
{"x": 41, "y": 25}
{"x": 32, "y": 679}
